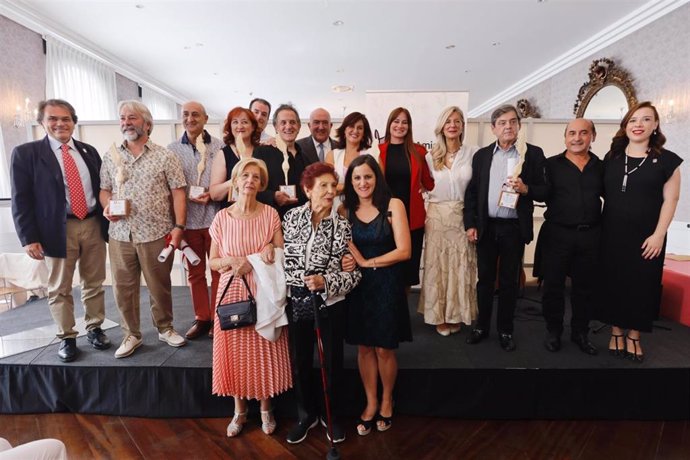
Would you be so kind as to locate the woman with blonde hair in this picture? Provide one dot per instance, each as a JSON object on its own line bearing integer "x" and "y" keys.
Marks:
{"x": 449, "y": 285}
{"x": 245, "y": 364}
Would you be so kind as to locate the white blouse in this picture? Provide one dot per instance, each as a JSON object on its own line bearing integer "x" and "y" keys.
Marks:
{"x": 450, "y": 184}
{"x": 339, "y": 162}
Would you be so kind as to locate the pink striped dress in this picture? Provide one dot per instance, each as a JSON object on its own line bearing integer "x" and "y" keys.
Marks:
{"x": 245, "y": 364}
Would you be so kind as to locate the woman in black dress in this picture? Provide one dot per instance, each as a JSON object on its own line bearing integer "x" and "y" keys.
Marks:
{"x": 407, "y": 174}
{"x": 378, "y": 315}
{"x": 641, "y": 189}
{"x": 240, "y": 124}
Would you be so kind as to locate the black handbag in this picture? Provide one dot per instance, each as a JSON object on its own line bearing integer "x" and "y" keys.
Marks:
{"x": 236, "y": 314}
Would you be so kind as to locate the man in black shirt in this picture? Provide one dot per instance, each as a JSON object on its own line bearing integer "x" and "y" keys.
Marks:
{"x": 287, "y": 125}
{"x": 569, "y": 238}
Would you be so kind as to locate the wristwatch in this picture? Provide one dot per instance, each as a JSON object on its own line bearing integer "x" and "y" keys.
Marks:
{"x": 181, "y": 227}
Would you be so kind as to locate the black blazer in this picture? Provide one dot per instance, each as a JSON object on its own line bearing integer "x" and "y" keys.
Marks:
{"x": 39, "y": 206}
{"x": 476, "y": 211}
{"x": 274, "y": 164}
{"x": 309, "y": 149}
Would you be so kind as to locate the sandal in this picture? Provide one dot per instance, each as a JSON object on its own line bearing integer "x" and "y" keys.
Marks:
{"x": 364, "y": 426}
{"x": 268, "y": 421}
{"x": 618, "y": 351}
{"x": 383, "y": 423}
{"x": 634, "y": 356}
{"x": 236, "y": 424}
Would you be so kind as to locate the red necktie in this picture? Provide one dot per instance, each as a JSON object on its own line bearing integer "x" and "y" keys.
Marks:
{"x": 76, "y": 189}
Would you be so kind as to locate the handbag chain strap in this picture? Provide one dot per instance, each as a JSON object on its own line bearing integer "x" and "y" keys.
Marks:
{"x": 249, "y": 291}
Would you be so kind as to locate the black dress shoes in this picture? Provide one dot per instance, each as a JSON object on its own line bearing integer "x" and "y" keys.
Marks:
{"x": 552, "y": 342}
{"x": 506, "y": 341}
{"x": 97, "y": 338}
{"x": 581, "y": 340}
{"x": 476, "y": 336}
{"x": 68, "y": 350}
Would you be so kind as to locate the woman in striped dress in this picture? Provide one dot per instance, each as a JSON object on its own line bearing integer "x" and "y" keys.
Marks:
{"x": 246, "y": 365}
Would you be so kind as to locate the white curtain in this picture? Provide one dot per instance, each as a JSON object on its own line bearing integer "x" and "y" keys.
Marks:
{"x": 87, "y": 84}
{"x": 4, "y": 170}
{"x": 161, "y": 107}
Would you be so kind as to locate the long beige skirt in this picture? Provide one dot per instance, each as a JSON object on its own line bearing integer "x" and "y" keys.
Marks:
{"x": 449, "y": 282}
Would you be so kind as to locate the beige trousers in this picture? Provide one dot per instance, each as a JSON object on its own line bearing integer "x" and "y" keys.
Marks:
{"x": 84, "y": 244}
{"x": 127, "y": 262}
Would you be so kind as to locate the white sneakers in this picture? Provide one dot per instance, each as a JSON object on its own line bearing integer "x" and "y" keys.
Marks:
{"x": 128, "y": 345}
{"x": 131, "y": 343}
{"x": 172, "y": 338}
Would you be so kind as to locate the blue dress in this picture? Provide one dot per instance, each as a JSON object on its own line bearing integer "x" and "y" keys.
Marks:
{"x": 378, "y": 314}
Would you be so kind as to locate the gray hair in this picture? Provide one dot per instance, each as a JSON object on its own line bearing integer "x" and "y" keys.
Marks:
{"x": 506, "y": 108}
{"x": 141, "y": 109}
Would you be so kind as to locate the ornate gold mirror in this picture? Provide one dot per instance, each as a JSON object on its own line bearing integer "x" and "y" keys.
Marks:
{"x": 608, "y": 94}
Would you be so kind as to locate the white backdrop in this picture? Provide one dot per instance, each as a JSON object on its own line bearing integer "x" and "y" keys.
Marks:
{"x": 424, "y": 107}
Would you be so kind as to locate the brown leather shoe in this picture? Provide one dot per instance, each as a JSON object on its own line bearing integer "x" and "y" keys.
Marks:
{"x": 198, "y": 329}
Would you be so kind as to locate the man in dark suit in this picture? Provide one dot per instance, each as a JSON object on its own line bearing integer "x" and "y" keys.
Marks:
{"x": 498, "y": 217}
{"x": 320, "y": 142}
{"x": 55, "y": 185}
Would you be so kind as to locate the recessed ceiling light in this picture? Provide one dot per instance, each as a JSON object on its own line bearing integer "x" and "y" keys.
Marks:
{"x": 339, "y": 70}
{"x": 198, "y": 45}
{"x": 139, "y": 6}
{"x": 338, "y": 23}
{"x": 467, "y": 71}
{"x": 496, "y": 44}
{"x": 188, "y": 47}
{"x": 342, "y": 88}
{"x": 450, "y": 47}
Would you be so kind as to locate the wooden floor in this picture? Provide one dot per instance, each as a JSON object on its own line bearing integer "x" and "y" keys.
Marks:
{"x": 103, "y": 437}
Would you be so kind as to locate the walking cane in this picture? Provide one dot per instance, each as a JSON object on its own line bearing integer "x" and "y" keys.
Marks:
{"x": 333, "y": 453}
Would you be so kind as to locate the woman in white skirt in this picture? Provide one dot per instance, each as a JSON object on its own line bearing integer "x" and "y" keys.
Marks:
{"x": 449, "y": 283}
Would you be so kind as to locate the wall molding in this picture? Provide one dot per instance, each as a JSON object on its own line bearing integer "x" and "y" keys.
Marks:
{"x": 647, "y": 13}
{"x": 21, "y": 13}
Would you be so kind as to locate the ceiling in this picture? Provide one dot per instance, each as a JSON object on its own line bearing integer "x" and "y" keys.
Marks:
{"x": 223, "y": 53}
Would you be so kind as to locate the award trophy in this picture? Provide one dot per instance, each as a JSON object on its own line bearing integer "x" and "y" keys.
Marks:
{"x": 118, "y": 206}
{"x": 289, "y": 190}
{"x": 509, "y": 197}
{"x": 195, "y": 191}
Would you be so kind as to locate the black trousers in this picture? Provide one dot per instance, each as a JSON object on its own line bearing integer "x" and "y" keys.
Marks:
{"x": 307, "y": 386}
{"x": 502, "y": 241}
{"x": 574, "y": 253}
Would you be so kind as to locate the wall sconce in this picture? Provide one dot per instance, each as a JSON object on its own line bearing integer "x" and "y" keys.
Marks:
{"x": 667, "y": 111}
{"x": 24, "y": 115}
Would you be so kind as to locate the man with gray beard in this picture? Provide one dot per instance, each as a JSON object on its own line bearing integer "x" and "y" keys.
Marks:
{"x": 139, "y": 180}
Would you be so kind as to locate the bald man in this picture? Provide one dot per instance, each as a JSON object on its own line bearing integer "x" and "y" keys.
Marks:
{"x": 200, "y": 210}
{"x": 570, "y": 234}
{"x": 320, "y": 142}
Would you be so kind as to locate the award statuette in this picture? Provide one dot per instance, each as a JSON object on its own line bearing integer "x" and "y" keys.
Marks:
{"x": 118, "y": 206}
{"x": 195, "y": 191}
{"x": 289, "y": 190}
{"x": 509, "y": 197}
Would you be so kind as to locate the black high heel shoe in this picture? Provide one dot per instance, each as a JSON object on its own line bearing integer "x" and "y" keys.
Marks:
{"x": 618, "y": 352}
{"x": 634, "y": 356}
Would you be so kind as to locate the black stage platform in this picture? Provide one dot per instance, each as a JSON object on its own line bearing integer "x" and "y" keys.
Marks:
{"x": 439, "y": 376}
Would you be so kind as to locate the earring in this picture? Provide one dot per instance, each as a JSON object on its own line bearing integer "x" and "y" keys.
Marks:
{"x": 654, "y": 133}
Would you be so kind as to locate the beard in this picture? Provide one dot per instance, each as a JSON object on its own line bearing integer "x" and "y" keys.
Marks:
{"x": 133, "y": 135}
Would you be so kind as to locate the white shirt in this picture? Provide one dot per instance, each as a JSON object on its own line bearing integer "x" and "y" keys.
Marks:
{"x": 326, "y": 146}
{"x": 56, "y": 147}
{"x": 450, "y": 184}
